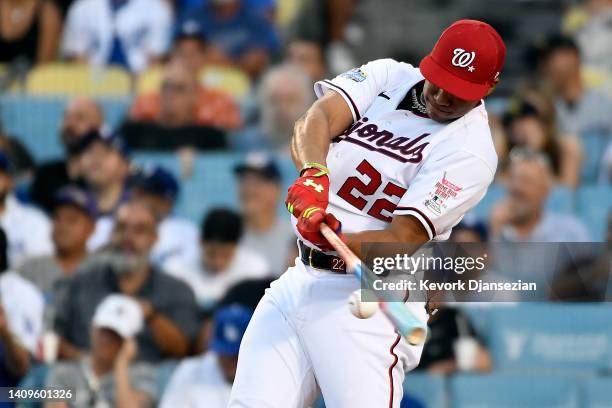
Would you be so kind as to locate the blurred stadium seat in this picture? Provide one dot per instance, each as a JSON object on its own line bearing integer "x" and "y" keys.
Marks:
{"x": 598, "y": 393}
{"x": 229, "y": 80}
{"x": 561, "y": 200}
{"x": 426, "y": 388}
{"x": 551, "y": 336}
{"x": 35, "y": 120}
{"x": 78, "y": 79}
{"x": 522, "y": 390}
{"x": 594, "y": 145}
{"x": 593, "y": 206}
{"x": 212, "y": 182}
{"x": 149, "y": 80}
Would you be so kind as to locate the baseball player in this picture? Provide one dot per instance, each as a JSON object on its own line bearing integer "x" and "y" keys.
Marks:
{"x": 388, "y": 153}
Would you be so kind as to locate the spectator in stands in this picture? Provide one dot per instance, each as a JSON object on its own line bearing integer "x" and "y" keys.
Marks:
{"x": 21, "y": 320}
{"x": 190, "y": 47}
{"x": 182, "y": 101}
{"x": 206, "y": 380}
{"x": 73, "y": 220}
{"x": 28, "y": 229}
{"x": 237, "y": 36}
{"x": 527, "y": 127}
{"x": 470, "y": 230}
{"x": 260, "y": 191}
{"x": 453, "y": 345}
{"x": 130, "y": 33}
{"x": 522, "y": 216}
{"x": 81, "y": 116}
{"x": 30, "y": 31}
{"x": 167, "y": 304}
{"x": 224, "y": 262}
{"x": 104, "y": 165}
{"x": 309, "y": 56}
{"x": 176, "y": 248}
{"x": 285, "y": 92}
{"x": 580, "y": 110}
{"x": 183, "y": 113}
{"x": 108, "y": 376}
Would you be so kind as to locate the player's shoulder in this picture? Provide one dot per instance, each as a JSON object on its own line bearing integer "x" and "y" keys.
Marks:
{"x": 394, "y": 70}
{"x": 471, "y": 135}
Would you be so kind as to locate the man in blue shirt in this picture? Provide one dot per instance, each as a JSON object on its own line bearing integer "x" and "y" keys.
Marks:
{"x": 236, "y": 35}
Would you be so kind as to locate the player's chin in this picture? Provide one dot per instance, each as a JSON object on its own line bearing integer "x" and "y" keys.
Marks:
{"x": 439, "y": 115}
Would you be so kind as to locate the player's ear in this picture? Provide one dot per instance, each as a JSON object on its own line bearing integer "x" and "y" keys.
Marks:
{"x": 495, "y": 83}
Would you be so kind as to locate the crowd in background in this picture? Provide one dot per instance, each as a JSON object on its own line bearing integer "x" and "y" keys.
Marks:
{"x": 106, "y": 284}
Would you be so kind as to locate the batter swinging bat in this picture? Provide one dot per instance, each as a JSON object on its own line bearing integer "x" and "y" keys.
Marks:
{"x": 411, "y": 328}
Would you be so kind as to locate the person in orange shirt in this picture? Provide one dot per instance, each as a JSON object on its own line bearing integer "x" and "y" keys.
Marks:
{"x": 182, "y": 101}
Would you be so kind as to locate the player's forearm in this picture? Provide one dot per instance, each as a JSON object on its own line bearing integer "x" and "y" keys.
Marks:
{"x": 404, "y": 229}
{"x": 311, "y": 138}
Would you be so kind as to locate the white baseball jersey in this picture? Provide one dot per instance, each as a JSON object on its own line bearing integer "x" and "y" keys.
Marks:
{"x": 393, "y": 160}
{"x": 397, "y": 161}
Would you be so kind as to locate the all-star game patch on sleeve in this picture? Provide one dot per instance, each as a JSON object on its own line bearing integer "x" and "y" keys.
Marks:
{"x": 360, "y": 86}
{"x": 444, "y": 190}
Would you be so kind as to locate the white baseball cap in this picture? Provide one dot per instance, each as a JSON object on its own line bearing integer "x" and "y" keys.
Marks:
{"x": 119, "y": 313}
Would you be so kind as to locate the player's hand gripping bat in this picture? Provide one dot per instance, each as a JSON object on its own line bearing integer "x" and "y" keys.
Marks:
{"x": 411, "y": 328}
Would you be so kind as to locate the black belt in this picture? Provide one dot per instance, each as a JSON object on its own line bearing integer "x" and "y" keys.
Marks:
{"x": 320, "y": 260}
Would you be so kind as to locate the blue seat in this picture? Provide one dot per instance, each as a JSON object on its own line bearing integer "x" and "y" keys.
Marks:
{"x": 561, "y": 200}
{"x": 562, "y": 337}
{"x": 494, "y": 194}
{"x": 522, "y": 390}
{"x": 426, "y": 388}
{"x": 594, "y": 203}
{"x": 593, "y": 146}
{"x": 598, "y": 393}
{"x": 212, "y": 182}
{"x": 35, "y": 121}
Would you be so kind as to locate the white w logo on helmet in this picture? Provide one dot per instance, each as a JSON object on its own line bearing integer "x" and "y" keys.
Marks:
{"x": 462, "y": 58}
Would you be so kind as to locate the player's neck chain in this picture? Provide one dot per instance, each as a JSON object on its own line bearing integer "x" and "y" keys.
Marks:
{"x": 418, "y": 101}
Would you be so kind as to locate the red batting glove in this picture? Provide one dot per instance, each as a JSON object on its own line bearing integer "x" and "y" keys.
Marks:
{"x": 309, "y": 227}
{"x": 311, "y": 189}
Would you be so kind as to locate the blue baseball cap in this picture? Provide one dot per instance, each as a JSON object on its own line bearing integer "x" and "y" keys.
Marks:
{"x": 230, "y": 323}
{"x": 261, "y": 164}
{"x": 77, "y": 198}
{"x": 472, "y": 223}
{"x": 155, "y": 180}
{"x": 114, "y": 140}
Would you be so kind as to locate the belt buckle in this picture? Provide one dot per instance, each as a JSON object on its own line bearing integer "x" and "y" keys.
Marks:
{"x": 310, "y": 251}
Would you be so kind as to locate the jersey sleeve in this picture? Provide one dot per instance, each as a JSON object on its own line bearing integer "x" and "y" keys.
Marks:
{"x": 360, "y": 86}
{"x": 445, "y": 189}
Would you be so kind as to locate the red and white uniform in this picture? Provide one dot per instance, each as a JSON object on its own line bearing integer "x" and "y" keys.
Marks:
{"x": 391, "y": 161}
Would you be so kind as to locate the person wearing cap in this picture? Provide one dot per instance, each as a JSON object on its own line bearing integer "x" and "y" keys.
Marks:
{"x": 81, "y": 116}
{"x": 27, "y": 228}
{"x": 206, "y": 380}
{"x": 177, "y": 243}
{"x": 21, "y": 322}
{"x": 105, "y": 164}
{"x": 224, "y": 261}
{"x": 124, "y": 267}
{"x": 265, "y": 232}
{"x": 389, "y": 153}
{"x": 73, "y": 222}
{"x": 108, "y": 375}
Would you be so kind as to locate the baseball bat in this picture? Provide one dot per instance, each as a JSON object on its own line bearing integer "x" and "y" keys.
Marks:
{"x": 406, "y": 323}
